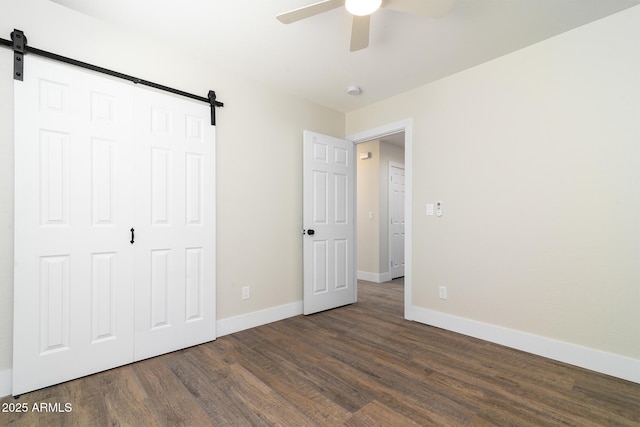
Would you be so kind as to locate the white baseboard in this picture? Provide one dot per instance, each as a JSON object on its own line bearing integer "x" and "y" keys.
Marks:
{"x": 257, "y": 318}
{"x": 5, "y": 382}
{"x": 374, "y": 277}
{"x": 588, "y": 358}
{"x": 595, "y": 360}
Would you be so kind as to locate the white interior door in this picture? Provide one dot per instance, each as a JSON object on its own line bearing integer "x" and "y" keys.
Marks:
{"x": 329, "y": 184}
{"x": 73, "y": 273}
{"x": 175, "y": 224}
{"x": 95, "y": 158}
{"x": 396, "y": 220}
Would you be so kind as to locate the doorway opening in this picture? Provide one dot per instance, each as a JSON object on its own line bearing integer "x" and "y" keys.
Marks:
{"x": 380, "y": 208}
{"x": 381, "y": 153}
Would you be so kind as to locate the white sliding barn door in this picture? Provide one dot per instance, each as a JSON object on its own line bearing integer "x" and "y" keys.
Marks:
{"x": 329, "y": 222}
{"x": 82, "y": 297}
{"x": 73, "y": 293}
{"x": 175, "y": 218}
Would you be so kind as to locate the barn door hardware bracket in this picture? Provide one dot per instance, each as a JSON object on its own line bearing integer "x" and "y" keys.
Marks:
{"x": 214, "y": 104}
{"x": 19, "y": 44}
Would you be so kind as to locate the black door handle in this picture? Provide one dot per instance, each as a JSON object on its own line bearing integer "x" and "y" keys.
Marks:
{"x": 132, "y": 236}
{"x": 311, "y": 232}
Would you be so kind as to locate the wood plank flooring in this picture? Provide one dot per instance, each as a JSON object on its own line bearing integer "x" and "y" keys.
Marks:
{"x": 360, "y": 365}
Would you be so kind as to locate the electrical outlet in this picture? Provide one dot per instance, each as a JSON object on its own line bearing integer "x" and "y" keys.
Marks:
{"x": 245, "y": 292}
{"x": 442, "y": 290}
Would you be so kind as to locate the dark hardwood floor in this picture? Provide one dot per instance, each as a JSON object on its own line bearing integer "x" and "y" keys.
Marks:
{"x": 360, "y": 365}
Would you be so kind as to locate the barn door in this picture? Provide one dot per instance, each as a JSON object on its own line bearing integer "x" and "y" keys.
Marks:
{"x": 114, "y": 224}
{"x": 175, "y": 224}
{"x": 73, "y": 274}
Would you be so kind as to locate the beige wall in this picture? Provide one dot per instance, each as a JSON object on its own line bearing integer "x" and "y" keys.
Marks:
{"x": 536, "y": 158}
{"x": 368, "y": 201}
{"x": 259, "y": 151}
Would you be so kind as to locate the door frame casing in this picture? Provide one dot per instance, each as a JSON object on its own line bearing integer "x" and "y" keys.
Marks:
{"x": 405, "y": 126}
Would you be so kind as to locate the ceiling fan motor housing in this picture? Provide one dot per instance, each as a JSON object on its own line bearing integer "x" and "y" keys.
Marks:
{"x": 362, "y": 7}
{"x": 361, "y": 11}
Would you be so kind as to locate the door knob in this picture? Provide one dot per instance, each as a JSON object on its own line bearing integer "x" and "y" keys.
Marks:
{"x": 311, "y": 232}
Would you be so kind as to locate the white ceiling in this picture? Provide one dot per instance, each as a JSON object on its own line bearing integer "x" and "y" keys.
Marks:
{"x": 311, "y": 57}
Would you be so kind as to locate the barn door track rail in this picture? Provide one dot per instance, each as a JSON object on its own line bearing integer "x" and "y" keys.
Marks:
{"x": 19, "y": 45}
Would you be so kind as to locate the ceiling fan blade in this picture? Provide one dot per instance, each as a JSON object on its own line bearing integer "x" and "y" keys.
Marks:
{"x": 428, "y": 8}
{"x": 360, "y": 32}
{"x": 309, "y": 11}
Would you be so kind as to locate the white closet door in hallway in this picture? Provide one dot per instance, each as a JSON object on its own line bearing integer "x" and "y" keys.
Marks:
{"x": 80, "y": 287}
{"x": 396, "y": 219}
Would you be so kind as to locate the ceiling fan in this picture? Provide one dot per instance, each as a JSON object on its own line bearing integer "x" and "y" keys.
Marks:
{"x": 362, "y": 10}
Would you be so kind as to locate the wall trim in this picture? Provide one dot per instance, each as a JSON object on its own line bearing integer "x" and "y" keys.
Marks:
{"x": 584, "y": 357}
{"x": 374, "y": 277}
{"x": 239, "y": 323}
{"x": 6, "y": 377}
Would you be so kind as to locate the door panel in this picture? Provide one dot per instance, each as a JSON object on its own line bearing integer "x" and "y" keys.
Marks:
{"x": 103, "y": 193}
{"x": 54, "y": 303}
{"x": 194, "y": 286}
{"x": 320, "y": 266}
{"x": 329, "y": 210}
{"x": 341, "y": 251}
{"x": 104, "y": 268}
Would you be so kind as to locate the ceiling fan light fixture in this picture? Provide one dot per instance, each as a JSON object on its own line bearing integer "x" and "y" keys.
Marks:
{"x": 362, "y": 7}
